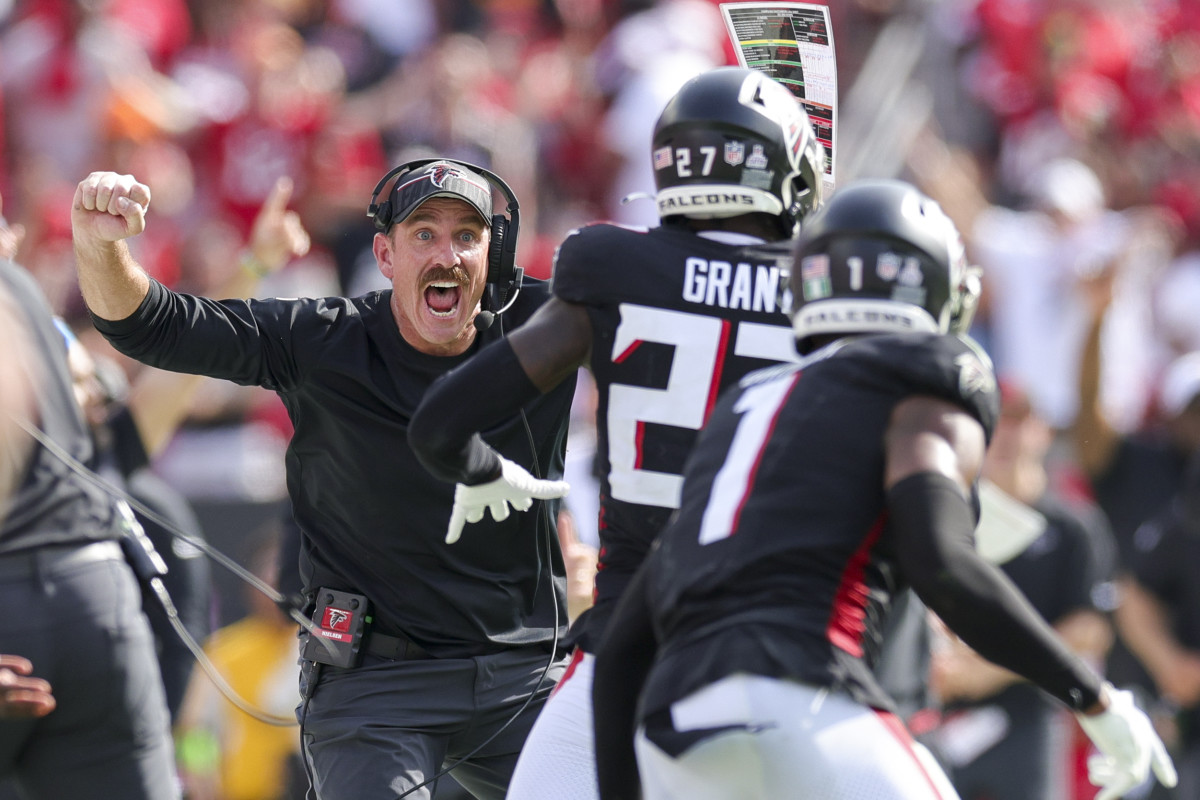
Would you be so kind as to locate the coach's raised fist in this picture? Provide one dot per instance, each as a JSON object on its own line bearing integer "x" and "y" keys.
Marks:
{"x": 108, "y": 207}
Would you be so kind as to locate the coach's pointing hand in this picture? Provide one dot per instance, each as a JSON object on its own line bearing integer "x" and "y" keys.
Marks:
{"x": 514, "y": 487}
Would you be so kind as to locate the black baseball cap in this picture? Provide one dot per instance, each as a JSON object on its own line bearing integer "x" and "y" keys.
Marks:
{"x": 441, "y": 179}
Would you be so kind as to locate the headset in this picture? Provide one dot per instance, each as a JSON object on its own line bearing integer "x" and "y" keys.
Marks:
{"x": 503, "y": 271}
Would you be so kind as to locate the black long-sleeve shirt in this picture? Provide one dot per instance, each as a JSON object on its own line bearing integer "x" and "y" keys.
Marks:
{"x": 373, "y": 519}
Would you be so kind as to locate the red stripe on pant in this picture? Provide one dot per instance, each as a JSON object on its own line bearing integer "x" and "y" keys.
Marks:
{"x": 893, "y": 724}
{"x": 576, "y": 657}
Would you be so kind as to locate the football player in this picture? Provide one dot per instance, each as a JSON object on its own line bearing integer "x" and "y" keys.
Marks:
{"x": 816, "y": 491}
{"x": 664, "y": 318}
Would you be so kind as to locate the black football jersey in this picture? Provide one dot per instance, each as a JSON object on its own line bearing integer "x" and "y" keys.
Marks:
{"x": 676, "y": 318}
{"x": 781, "y": 548}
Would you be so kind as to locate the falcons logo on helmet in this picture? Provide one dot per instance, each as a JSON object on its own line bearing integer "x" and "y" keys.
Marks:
{"x": 974, "y": 375}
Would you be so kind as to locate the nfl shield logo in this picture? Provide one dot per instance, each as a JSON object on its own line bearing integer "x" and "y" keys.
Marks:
{"x": 735, "y": 153}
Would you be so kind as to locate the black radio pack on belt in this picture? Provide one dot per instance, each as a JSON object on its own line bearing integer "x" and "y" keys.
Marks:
{"x": 340, "y": 619}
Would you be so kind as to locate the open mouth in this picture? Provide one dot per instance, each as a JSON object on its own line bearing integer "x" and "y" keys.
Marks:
{"x": 441, "y": 297}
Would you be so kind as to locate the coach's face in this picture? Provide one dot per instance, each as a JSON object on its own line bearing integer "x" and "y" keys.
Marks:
{"x": 436, "y": 260}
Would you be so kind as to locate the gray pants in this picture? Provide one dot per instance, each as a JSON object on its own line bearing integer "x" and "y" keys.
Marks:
{"x": 76, "y": 614}
{"x": 378, "y": 730}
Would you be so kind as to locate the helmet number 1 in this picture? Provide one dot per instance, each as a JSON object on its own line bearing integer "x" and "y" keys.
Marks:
{"x": 855, "y": 265}
{"x": 683, "y": 161}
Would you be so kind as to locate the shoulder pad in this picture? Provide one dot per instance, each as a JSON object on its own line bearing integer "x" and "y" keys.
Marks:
{"x": 953, "y": 368}
{"x": 588, "y": 265}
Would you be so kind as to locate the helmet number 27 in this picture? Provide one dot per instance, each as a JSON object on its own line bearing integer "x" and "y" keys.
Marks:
{"x": 683, "y": 161}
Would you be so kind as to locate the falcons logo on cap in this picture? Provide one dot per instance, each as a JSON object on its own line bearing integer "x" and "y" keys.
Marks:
{"x": 441, "y": 172}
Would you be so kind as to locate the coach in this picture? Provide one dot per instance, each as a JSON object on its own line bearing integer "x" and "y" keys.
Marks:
{"x": 456, "y": 642}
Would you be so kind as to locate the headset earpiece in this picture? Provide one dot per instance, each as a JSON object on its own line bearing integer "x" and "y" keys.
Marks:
{"x": 500, "y": 264}
{"x": 381, "y": 214}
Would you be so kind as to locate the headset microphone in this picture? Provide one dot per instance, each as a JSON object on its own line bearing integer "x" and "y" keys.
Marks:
{"x": 483, "y": 320}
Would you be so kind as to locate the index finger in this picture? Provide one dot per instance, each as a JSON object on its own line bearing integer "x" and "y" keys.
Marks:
{"x": 281, "y": 193}
{"x": 458, "y": 519}
{"x": 140, "y": 194}
{"x": 1163, "y": 766}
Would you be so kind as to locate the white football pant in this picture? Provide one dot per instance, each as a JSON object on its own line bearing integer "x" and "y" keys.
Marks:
{"x": 790, "y": 741}
{"x": 558, "y": 761}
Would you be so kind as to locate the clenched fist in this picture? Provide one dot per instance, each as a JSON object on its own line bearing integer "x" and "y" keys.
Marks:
{"x": 108, "y": 208}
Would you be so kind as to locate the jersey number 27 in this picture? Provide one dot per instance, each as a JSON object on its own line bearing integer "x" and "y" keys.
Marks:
{"x": 701, "y": 348}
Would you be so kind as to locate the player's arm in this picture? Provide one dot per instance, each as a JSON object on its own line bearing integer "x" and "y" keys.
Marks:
{"x": 623, "y": 661}
{"x": 493, "y": 387}
{"x": 959, "y": 673}
{"x": 933, "y": 452}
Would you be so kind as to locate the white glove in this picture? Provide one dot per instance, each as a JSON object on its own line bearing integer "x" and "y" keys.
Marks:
{"x": 1128, "y": 745}
{"x": 514, "y": 487}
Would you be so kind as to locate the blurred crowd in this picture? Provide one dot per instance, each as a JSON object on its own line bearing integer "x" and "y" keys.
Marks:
{"x": 211, "y": 102}
{"x": 1063, "y": 136}
{"x": 1081, "y": 117}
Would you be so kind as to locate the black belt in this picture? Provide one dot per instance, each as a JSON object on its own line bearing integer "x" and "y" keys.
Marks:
{"x": 394, "y": 648}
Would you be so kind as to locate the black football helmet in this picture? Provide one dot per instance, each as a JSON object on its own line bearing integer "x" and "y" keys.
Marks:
{"x": 733, "y": 141}
{"x": 880, "y": 256}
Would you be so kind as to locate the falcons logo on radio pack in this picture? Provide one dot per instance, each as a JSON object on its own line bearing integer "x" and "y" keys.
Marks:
{"x": 336, "y": 619}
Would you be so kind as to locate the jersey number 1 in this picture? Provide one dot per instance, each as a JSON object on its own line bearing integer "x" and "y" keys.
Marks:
{"x": 759, "y": 407}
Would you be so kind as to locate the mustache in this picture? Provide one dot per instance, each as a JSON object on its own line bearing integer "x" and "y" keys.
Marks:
{"x": 456, "y": 274}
